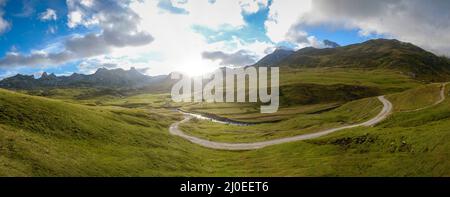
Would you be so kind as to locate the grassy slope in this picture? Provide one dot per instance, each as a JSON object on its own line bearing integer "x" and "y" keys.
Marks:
{"x": 388, "y": 81}
{"x": 406, "y": 144}
{"x": 44, "y": 137}
{"x": 75, "y": 140}
{"x": 416, "y": 98}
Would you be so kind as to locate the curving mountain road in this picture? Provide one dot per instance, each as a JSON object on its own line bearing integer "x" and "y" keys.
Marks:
{"x": 442, "y": 94}
{"x": 441, "y": 99}
{"x": 174, "y": 130}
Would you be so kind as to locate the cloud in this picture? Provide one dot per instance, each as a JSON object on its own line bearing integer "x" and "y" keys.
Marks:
{"x": 253, "y": 6}
{"x": 239, "y": 58}
{"x": 4, "y": 25}
{"x": 179, "y": 46}
{"x": 119, "y": 28}
{"x": 49, "y": 14}
{"x": 119, "y": 24}
{"x": 124, "y": 29}
{"x": 89, "y": 67}
{"x": 214, "y": 15}
{"x": 283, "y": 14}
{"x": 168, "y": 6}
{"x": 425, "y": 23}
{"x": 15, "y": 59}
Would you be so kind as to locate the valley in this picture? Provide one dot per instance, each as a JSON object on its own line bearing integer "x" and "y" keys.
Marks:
{"x": 332, "y": 121}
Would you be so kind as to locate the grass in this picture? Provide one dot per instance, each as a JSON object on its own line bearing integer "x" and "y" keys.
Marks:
{"x": 46, "y": 137}
{"x": 314, "y": 90}
{"x": 128, "y": 137}
{"x": 406, "y": 144}
{"x": 251, "y": 113}
{"x": 416, "y": 98}
{"x": 300, "y": 124}
{"x": 388, "y": 81}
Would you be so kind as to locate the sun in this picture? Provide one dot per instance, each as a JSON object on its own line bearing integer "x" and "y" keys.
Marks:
{"x": 194, "y": 67}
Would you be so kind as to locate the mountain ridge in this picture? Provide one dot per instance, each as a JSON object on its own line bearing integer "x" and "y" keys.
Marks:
{"x": 114, "y": 78}
{"x": 407, "y": 58}
{"x": 275, "y": 57}
{"x": 395, "y": 55}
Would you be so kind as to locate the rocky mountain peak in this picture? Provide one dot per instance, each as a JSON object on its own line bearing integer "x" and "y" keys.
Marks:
{"x": 331, "y": 44}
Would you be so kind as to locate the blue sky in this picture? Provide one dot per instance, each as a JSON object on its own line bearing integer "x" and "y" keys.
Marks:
{"x": 28, "y": 32}
{"x": 166, "y": 35}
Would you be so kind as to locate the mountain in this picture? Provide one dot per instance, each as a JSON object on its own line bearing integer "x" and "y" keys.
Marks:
{"x": 116, "y": 78}
{"x": 330, "y": 44}
{"x": 274, "y": 58}
{"x": 375, "y": 54}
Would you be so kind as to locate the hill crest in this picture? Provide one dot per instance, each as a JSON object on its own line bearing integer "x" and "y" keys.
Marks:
{"x": 405, "y": 57}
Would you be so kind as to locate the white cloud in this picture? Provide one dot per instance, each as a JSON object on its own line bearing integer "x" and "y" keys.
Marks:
{"x": 253, "y": 6}
{"x": 49, "y": 14}
{"x": 87, "y": 13}
{"x": 119, "y": 26}
{"x": 89, "y": 66}
{"x": 75, "y": 18}
{"x": 124, "y": 36}
{"x": 425, "y": 23}
{"x": 283, "y": 15}
{"x": 179, "y": 46}
{"x": 4, "y": 25}
{"x": 202, "y": 12}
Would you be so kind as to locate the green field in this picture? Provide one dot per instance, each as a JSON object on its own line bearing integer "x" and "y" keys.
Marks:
{"x": 127, "y": 135}
{"x": 302, "y": 123}
{"x": 312, "y": 91}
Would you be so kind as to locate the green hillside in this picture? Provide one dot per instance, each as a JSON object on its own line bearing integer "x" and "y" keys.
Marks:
{"x": 375, "y": 54}
{"x": 46, "y": 137}
{"x": 406, "y": 144}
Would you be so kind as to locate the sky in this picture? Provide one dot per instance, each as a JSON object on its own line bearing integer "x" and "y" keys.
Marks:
{"x": 195, "y": 36}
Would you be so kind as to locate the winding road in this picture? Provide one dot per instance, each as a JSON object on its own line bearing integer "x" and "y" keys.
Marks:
{"x": 441, "y": 99}
{"x": 174, "y": 130}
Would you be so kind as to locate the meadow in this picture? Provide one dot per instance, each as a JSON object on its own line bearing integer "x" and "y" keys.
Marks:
{"x": 63, "y": 134}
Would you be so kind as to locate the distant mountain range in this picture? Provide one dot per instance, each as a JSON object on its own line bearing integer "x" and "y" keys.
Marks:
{"x": 116, "y": 78}
{"x": 373, "y": 54}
